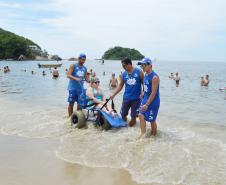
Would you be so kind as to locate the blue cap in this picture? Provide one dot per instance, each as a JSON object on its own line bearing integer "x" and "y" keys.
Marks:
{"x": 145, "y": 61}
{"x": 82, "y": 56}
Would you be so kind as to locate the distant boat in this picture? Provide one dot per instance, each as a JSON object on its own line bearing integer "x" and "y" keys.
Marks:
{"x": 49, "y": 65}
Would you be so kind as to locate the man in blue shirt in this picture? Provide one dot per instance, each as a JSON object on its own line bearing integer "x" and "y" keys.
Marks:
{"x": 151, "y": 99}
{"x": 77, "y": 73}
{"x": 133, "y": 79}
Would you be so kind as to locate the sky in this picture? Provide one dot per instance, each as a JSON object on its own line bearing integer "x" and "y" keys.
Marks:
{"x": 186, "y": 30}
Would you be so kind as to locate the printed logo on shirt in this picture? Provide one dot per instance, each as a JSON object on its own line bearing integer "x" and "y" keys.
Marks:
{"x": 131, "y": 81}
{"x": 80, "y": 73}
{"x": 145, "y": 88}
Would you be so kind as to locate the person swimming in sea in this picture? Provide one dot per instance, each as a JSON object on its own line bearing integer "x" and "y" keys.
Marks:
{"x": 113, "y": 81}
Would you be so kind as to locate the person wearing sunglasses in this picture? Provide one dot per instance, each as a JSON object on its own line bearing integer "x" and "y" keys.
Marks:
{"x": 151, "y": 100}
{"x": 132, "y": 77}
{"x": 95, "y": 93}
{"x": 76, "y": 74}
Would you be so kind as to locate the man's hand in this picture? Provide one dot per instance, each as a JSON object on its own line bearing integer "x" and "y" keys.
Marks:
{"x": 78, "y": 79}
{"x": 144, "y": 108}
{"x": 112, "y": 97}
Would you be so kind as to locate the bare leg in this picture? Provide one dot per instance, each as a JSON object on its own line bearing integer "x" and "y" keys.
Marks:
{"x": 132, "y": 122}
{"x": 153, "y": 128}
{"x": 70, "y": 109}
{"x": 142, "y": 126}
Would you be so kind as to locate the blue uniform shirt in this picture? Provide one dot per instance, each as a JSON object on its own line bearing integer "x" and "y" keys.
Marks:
{"x": 148, "y": 88}
{"x": 79, "y": 72}
{"x": 132, "y": 85}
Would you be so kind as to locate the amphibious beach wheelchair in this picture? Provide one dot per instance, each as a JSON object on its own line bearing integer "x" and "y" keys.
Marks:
{"x": 101, "y": 119}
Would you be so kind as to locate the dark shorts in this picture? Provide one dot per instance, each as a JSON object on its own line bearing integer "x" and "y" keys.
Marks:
{"x": 73, "y": 96}
{"x": 127, "y": 104}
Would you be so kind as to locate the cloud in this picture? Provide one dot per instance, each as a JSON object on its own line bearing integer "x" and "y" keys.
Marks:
{"x": 10, "y": 5}
{"x": 155, "y": 27}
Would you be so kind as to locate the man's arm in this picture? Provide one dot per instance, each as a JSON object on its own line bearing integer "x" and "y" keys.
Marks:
{"x": 142, "y": 80}
{"x": 142, "y": 77}
{"x": 69, "y": 74}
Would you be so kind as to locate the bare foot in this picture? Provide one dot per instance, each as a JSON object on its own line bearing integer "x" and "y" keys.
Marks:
{"x": 142, "y": 136}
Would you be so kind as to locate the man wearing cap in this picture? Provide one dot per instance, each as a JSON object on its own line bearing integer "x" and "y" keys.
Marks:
{"x": 77, "y": 73}
{"x": 133, "y": 79}
{"x": 151, "y": 100}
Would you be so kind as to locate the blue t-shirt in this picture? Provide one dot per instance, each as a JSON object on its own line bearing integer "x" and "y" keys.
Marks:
{"x": 148, "y": 88}
{"x": 79, "y": 72}
{"x": 133, "y": 83}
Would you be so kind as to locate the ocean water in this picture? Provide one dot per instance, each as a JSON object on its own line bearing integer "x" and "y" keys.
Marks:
{"x": 191, "y": 144}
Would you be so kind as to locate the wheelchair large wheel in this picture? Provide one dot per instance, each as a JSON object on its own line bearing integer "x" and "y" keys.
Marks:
{"x": 78, "y": 119}
{"x": 104, "y": 124}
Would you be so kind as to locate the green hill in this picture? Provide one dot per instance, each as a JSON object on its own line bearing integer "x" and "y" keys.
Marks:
{"x": 12, "y": 46}
{"x": 119, "y": 53}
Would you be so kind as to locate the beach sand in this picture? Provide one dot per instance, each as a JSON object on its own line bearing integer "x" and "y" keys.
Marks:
{"x": 33, "y": 161}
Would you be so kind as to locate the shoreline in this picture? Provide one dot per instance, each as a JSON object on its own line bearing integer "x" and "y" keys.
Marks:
{"x": 27, "y": 161}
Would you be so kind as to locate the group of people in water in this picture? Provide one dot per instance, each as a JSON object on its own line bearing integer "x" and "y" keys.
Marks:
{"x": 141, "y": 94}
{"x": 6, "y": 69}
{"x": 55, "y": 72}
{"x": 204, "y": 80}
{"x": 176, "y": 78}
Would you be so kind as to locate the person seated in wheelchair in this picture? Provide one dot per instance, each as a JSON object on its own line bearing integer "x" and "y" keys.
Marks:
{"x": 96, "y": 95}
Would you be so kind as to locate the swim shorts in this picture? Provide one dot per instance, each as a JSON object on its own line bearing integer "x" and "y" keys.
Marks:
{"x": 73, "y": 96}
{"x": 151, "y": 113}
{"x": 127, "y": 104}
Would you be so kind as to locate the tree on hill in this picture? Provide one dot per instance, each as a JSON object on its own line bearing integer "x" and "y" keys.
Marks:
{"x": 119, "y": 53}
{"x": 12, "y": 46}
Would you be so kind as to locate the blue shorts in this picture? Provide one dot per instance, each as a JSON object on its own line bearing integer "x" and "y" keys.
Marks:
{"x": 73, "y": 96}
{"x": 151, "y": 113}
{"x": 127, "y": 104}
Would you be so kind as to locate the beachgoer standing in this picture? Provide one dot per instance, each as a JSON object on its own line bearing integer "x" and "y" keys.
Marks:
{"x": 206, "y": 80}
{"x": 171, "y": 76}
{"x": 113, "y": 81}
{"x": 132, "y": 78}
{"x": 177, "y": 79}
{"x": 120, "y": 76}
{"x": 151, "y": 99}
{"x": 202, "y": 82}
{"x": 76, "y": 73}
{"x": 55, "y": 73}
{"x": 5, "y": 70}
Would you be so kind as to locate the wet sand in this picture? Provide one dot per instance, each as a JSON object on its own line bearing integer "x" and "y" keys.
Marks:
{"x": 33, "y": 161}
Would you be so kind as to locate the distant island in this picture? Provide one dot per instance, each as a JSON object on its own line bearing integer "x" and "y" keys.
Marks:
{"x": 118, "y": 53}
{"x": 15, "y": 47}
